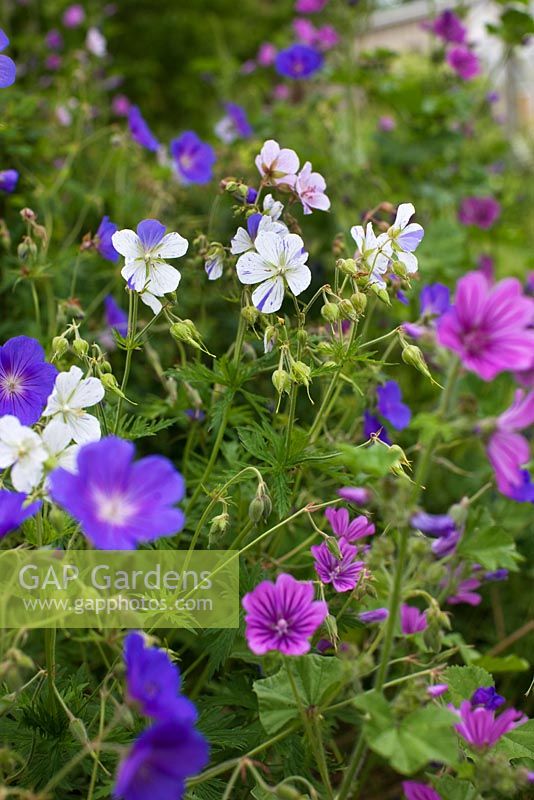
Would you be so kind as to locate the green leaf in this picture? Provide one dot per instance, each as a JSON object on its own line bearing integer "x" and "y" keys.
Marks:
{"x": 492, "y": 547}
{"x": 314, "y": 677}
{"x": 463, "y": 681}
{"x": 450, "y": 788}
{"x": 509, "y": 663}
{"x": 518, "y": 743}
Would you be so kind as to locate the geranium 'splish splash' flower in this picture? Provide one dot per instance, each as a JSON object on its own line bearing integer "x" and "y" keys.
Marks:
{"x": 243, "y": 241}
{"x": 448, "y": 26}
{"x": 310, "y": 187}
{"x": 412, "y": 620}
{"x": 343, "y": 573}
{"x": 9, "y": 179}
{"x": 153, "y": 682}
{"x": 343, "y": 526}
{"x": 145, "y": 268}
{"x": 277, "y": 261}
{"x": 391, "y": 407}
{"x": 487, "y": 697}
{"x": 103, "y": 236}
{"x": 193, "y": 158}
{"x": 214, "y": 266}
{"x": 358, "y": 495}
{"x": 21, "y": 449}
{"x": 375, "y": 255}
{"x": 298, "y": 61}
{"x": 488, "y": 326}
{"x": 374, "y": 615}
{"x": 413, "y": 790}
{"x": 8, "y": 70}
{"x": 234, "y": 125}
{"x": 66, "y": 406}
{"x": 479, "y": 726}
{"x": 73, "y": 16}
{"x": 277, "y": 165}
{"x": 482, "y": 212}
{"x": 404, "y": 237}
{"x": 282, "y": 616}
{"x": 508, "y": 451}
{"x": 13, "y": 512}
{"x": 140, "y": 131}
{"x": 464, "y": 62}
{"x": 118, "y": 503}
{"x": 160, "y": 761}
{"x": 26, "y": 379}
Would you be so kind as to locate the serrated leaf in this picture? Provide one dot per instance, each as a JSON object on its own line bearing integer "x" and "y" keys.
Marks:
{"x": 463, "y": 681}
{"x": 491, "y": 547}
{"x": 518, "y": 743}
{"x": 450, "y": 788}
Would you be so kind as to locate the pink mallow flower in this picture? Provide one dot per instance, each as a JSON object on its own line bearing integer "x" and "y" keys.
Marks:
{"x": 355, "y": 494}
{"x": 412, "y": 620}
{"x": 508, "y": 451}
{"x": 310, "y": 6}
{"x": 343, "y": 573}
{"x": 327, "y": 37}
{"x": 266, "y": 54}
{"x": 489, "y": 326}
{"x": 348, "y": 529}
{"x": 481, "y": 728}
{"x": 464, "y": 62}
{"x": 466, "y": 593}
{"x": 282, "y": 616}
{"x": 419, "y": 791}
{"x": 310, "y": 187}
{"x": 305, "y": 31}
{"x": 74, "y": 16}
{"x": 277, "y": 165}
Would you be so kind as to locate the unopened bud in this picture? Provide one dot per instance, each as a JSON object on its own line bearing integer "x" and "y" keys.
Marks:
{"x": 105, "y": 366}
{"x": 261, "y": 505}
{"x": 26, "y": 249}
{"x": 413, "y": 356}
{"x": 60, "y": 345}
{"x": 28, "y": 215}
{"x": 80, "y": 347}
{"x": 333, "y": 546}
{"x": 281, "y": 381}
{"x": 110, "y": 383}
{"x": 381, "y": 293}
{"x": 302, "y": 336}
{"x": 250, "y": 314}
{"x": 330, "y": 312}
{"x": 459, "y": 512}
{"x": 77, "y": 728}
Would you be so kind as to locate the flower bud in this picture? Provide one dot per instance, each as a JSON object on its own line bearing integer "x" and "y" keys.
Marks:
{"x": 281, "y": 381}
{"x": 459, "y": 512}
{"x": 104, "y": 366}
{"x": 218, "y": 527}
{"x": 60, "y": 345}
{"x": 27, "y": 249}
{"x": 80, "y": 347}
{"x": 250, "y": 314}
{"x": 347, "y": 266}
{"x": 333, "y": 545}
{"x": 381, "y": 293}
{"x": 261, "y": 506}
{"x": 413, "y": 356}
{"x": 77, "y": 728}
{"x": 286, "y": 792}
{"x": 300, "y": 372}
{"x": 330, "y": 312}
{"x": 302, "y": 336}
{"x": 181, "y": 331}
{"x": 359, "y": 302}
{"x": 110, "y": 383}
{"x": 28, "y": 215}
{"x": 347, "y": 310}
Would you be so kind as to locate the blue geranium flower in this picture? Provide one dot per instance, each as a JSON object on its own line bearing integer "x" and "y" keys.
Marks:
{"x": 8, "y": 70}
{"x": 391, "y": 407}
{"x": 193, "y": 158}
{"x": 8, "y": 179}
{"x": 298, "y": 61}
{"x": 140, "y": 131}
{"x": 104, "y": 245}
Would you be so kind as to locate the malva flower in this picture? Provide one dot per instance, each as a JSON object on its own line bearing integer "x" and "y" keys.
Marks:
{"x": 358, "y": 495}
{"x": 277, "y": 165}
{"x": 391, "y": 407}
{"x": 305, "y": 31}
{"x": 14, "y": 510}
{"x": 487, "y": 697}
{"x": 299, "y": 61}
{"x": 481, "y": 728}
{"x": 310, "y": 187}
{"x": 310, "y": 6}
{"x": 145, "y": 268}
{"x": 413, "y": 790}
{"x": 243, "y": 241}
{"x": 344, "y": 527}
{"x": 464, "y": 62}
{"x": 374, "y": 615}
{"x": 21, "y": 449}
{"x": 9, "y": 179}
{"x": 153, "y": 682}
{"x": 160, "y": 761}
{"x": 326, "y": 37}
{"x": 466, "y": 594}
{"x": 489, "y": 326}
{"x": 437, "y": 690}
{"x": 343, "y": 573}
{"x": 448, "y": 26}
{"x": 66, "y": 406}
{"x": 412, "y": 620}
{"x": 234, "y": 125}
{"x": 266, "y": 54}
{"x": 104, "y": 244}
{"x": 118, "y": 503}
{"x": 8, "y": 70}
{"x": 482, "y": 212}
{"x": 508, "y": 451}
{"x": 277, "y": 261}
{"x": 73, "y": 16}
{"x": 193, "y": 158}
{"x": 282, "y": 616}
{"x": 26, "y": 379}
{"x": 139, "y": 130}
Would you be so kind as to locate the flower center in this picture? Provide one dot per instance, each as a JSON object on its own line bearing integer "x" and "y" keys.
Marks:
{"x": 113, "y": 508}
{"x": 12, "y": 384}
{"x": 282, "y": 626}
{"x": 475, "y": 341}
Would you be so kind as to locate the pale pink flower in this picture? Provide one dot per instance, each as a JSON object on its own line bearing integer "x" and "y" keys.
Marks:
{"x": 310, "y": 187}
{"x": 277, "y": 165}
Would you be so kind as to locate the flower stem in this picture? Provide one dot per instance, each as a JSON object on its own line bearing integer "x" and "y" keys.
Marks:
{"x": 132, "y": 327}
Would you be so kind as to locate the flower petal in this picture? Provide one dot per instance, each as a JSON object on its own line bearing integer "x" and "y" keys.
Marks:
{"x": 162, "y": 279}
{"x": 298, "y": 278}
{"x": 8, "y": 72}
{"x": 128, "y": 244}
{"x": 172, "y": 246}
{"x": 252, "y": 268}
{"x": 269, "y": 295}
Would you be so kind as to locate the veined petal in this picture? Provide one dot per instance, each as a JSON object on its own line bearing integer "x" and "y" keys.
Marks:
{"x": 252, "y": 268}
{"x": 65, "y": 386}
{"x": 409, "y": 261}
{"x": 269, "y": 295}
{"x": 269, "y": 246}
{"x": 84, "y": 428}
{"x": 241, "y": 242}
{"x": 358, "y": 234}
{"x": 298, "y": 278}
{"x": 27, "y": 474}
{"x": 150, "y": 233}
{"x": 55, "y": 438}
{"x": 8, "y": 72}
{"x": 128, "y": 244}
{"x": 411, "y": 237}
{"x": 162, "y": 279}
{"x": 292, "y": 246}
{"x": 135, "y": 274}
{"x": 88, "y": 392}
{"x": 404, "y": 214}
{"x": 171, "y": 246}
{"x": 151, "y": 301}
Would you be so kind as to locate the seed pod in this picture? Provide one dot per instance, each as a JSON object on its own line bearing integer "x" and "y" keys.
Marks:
{"x": 80, "y": 347}
{"x": 250, "y": 314}
{"x": 347, "y": 310}
{"x": 413, "y": 356}
{"x": 300, "y": 372}
{"x": 60, "y": 345}
{"x": 347, "y": 266}
{"x": 281, "y": 381}
{"x": 359, "y": 302}
{"x": 330, "y": 312}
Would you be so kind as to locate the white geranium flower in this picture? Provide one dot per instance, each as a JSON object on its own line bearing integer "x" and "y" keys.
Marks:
{"x": 243, "y": 240}
{"x": 375, "y": 253}
{"x": 277, "y": 261}
{"x": 145, "y": 268}
{"x": 405, "y": 236}
{"x": 22, "y": 449}
{"x": 59, "y": 452}
{"x": 66, "y": 405}
{"x": 273, "y": 208}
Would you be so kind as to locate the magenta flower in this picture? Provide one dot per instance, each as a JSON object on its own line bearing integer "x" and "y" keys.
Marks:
{"x": 437, "y": 689}
{"x": 120, "y": 105}
{"x": 327, "y": 37}
{"x": 343, "y": 573}
{"x": 448, "y": 27}
{"x": 305, "y": 31}
{"x": 489, "y": 326}
{"x": 282, "y": 616}
{"x": 479, "y": 211}
{"x": 412, "y": 620}
{"x": 466, "y": 594}
{"x": 310, "y": 187}
{"x": 507, "y": 450}
{"x": 355, "y": 494}
{"x": 310, "y": 6}
{"x": 74, "y": 16}
{"x": 266, "y": 54}
{"x": 464, "y": 62}
{"x": 348, "y": 529}
{"x": 386, "y": 123}
{"x": 419, "y": 791}
{"x": 479, "y": 726}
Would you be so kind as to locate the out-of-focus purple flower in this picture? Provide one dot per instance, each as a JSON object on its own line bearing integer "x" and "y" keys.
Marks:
{"x": 358, "y": 495}
{"x": 437, "y": 689}
{"x": 26, "y": 379}
{"x": 481, "y": 728}
{"x": 104, "y": 245}
{"x": 432, "y": 524}
{"x": 8, "y": 70}
{"x": 282, "y": 616}
{"x": 53, "y": 62}
{"x": 140, "y": 131}
{"x": 13, "y": 512}
{"x": 419, "y": 791}
{"x": 195, "y": 414}
{"x": 305, "y": 31}
{"x": 487, "y": 697}
{"x": 493, "y": 97}
{"x": 298, "y": 61}
{"x": 310, "y": 187}
{"x": 374, "y": 615}
{"x": 386, "y": 123}
{"x": 348, "y": 529}
{"x": 118, "y": 503}
{"x": 193, "y": 158}
{"x": 324, "y": 645}
{"x": 234, "y": 125}
{"x": 489, "y": 326}
{"x": 343, "y": 573}
{"x": 54, "y": 40}
{"x": 372, "y": 427}
{"x": 435, "y": 299}
{"x": 120, "y": 105}
{"x": 412, "y": 620}
{"x": 74, "y": 16}
{"x": 281, "y": 92}
{"x": 464, "y": 62}
{"x": 496, "y": 575}
{"x": 448, "y": 27}
{"x": 446, "y": 545}
{"x": 248, "y": 67}
{"x": 326, "y": 37}
{"x": 8, "y": 180}
{"x": 391, "y": 407}
{"x": 310, "y": 6}
{"x": 508, "y": 451}
{"x": 266, "y": 54}
{"x": 479, "y": 211}
{"x": 486, "y": 266}
{"x": 116, "y": 317}
{"x": 252, "y": 194}
{"x": 466, "y": 593}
